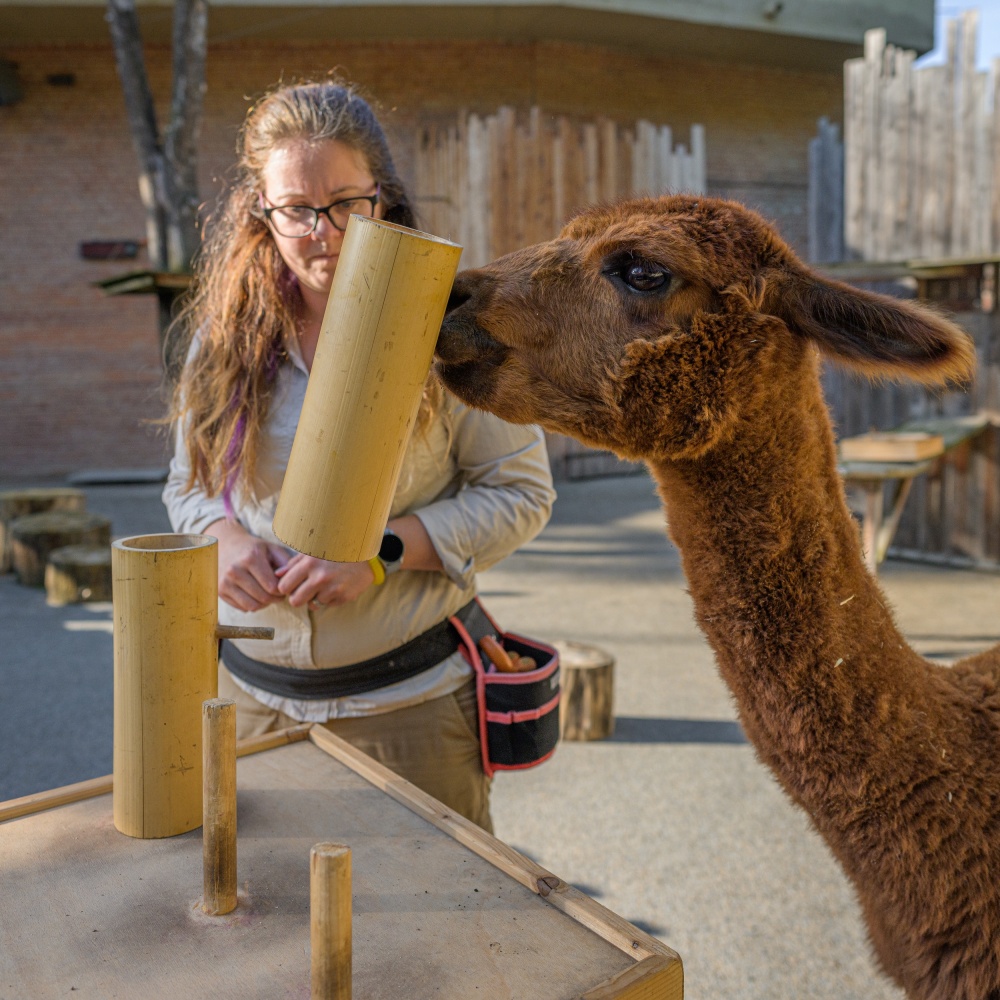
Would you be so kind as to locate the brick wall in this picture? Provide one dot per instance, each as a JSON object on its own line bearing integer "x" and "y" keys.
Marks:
{"x": 79, "y": 372}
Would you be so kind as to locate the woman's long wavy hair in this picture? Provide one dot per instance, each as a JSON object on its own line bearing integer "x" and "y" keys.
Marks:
{"x": 245, "y": 299}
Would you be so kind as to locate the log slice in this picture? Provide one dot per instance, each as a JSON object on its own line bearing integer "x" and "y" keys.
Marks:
{"x": 586, "y": 705}
{"x": 18, "y": 503}
{"x": 77, "y": 574}
{"x": 34, "y": 536}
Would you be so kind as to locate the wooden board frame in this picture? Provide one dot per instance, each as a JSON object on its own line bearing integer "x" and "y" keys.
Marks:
{"x": 658, "y": 971}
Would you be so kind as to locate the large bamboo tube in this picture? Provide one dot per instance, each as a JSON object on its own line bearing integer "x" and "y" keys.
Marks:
{"x": 330, "y": 921}
{"x": 374, "y": 353}
{"x": 165, "y": 591}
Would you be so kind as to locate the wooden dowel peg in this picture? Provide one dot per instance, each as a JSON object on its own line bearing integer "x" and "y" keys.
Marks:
{"x": 219, "y": 805}
{"x": 330, "y": 921}
{"x": 243, "y": 632}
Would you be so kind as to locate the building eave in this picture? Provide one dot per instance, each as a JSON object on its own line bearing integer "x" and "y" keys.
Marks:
{"x": 814, "y": 34}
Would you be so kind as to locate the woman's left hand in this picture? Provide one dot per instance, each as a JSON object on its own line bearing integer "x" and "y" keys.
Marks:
{"x": 318, "y": 583}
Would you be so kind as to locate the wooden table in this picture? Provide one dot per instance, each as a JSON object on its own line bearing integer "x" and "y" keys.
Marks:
{"x": 878, "y": 526}
{"x": 440, "y": 909}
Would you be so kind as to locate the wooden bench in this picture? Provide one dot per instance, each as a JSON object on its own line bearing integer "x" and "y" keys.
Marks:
{"x": 879, "y": 525}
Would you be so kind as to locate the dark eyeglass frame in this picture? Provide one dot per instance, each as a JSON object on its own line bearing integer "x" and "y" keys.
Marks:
{"x": 317, "y": 212}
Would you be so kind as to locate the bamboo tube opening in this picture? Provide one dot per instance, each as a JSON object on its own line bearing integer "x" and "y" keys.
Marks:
{"x": 388, "y": 298}
{"x": 164, "y": 543}
{"x": 385, "y": 224}
{"x": 165, "y": 594}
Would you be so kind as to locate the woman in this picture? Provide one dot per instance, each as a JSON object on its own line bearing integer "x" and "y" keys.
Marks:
{"x": 471, "y": 490}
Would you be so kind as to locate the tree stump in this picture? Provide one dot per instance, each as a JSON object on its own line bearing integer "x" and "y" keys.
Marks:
{"x": 18, "y": 503}
{"x": 34, "y": 536}
{"x": 78, "y": 573}
{"x": 586, "y": 706}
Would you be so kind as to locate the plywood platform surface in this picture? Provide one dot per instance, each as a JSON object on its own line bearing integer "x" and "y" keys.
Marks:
{"x": 88, "y": 912}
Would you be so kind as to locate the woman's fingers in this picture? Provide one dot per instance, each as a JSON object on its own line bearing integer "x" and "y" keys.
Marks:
{"x": 247, "y": 577}
{"x": 318, "y": 583}
{"x": 279, "y": 557}
{"x": 243, "y": 589}
{"x": 258, "y": 565}
{"x": 294, "y": 574}
{"x": 232, "y": 593}
{"x": 345, "y": 583}
{"x": 254, "y": 584}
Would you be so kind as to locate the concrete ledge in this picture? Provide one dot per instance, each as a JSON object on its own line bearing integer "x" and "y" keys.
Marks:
{"x": 116, "y": 477}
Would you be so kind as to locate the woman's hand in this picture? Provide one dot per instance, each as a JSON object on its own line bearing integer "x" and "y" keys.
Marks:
{"x": 318, "y": 583}
{"x": 248, "y": 567}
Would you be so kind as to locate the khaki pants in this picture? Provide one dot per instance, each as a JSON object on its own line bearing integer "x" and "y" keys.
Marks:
{"x": 434, "y": 745}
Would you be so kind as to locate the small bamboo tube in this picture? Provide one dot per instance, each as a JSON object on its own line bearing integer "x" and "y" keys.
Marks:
{"x": 374, "y": 353}
{"x": 219, "y": 796}
{"x": 165, "y": 591}
{"x": 330, "y": 921}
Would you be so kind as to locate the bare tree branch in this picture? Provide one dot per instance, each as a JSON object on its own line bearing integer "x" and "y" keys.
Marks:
{"x": 124, "y": 24}
{"x": 181, "y": 139}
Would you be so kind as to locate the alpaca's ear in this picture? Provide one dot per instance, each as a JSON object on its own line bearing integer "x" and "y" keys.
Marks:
{"x": 878, "y": 335}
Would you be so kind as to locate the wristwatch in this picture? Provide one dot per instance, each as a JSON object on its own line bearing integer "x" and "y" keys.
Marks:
{"x": 390, "y": 554}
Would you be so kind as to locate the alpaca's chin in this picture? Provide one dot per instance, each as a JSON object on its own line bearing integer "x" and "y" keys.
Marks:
{"x": 466, "y": 379}
{"x": 475, "y": 384}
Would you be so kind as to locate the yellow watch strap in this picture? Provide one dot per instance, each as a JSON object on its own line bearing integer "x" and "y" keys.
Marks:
{"x": 378, "y": 569}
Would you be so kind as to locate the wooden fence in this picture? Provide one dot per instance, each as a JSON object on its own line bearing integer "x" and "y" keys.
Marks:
{"x": 504, "y": 181}
{"x": 916, "y": 183}
{"x": 501, "y": 182}
{"x": 921, "y": 155}
{"x": 825, "y": 205}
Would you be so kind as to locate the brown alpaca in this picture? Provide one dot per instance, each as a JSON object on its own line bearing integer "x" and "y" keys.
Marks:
{"x": 684, "y": 332}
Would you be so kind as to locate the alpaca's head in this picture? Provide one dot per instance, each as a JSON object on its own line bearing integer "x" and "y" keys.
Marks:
{"x": 649, "y": 325}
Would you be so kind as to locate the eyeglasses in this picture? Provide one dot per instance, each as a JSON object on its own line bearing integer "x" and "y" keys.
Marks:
{"x": 298, "y": 221}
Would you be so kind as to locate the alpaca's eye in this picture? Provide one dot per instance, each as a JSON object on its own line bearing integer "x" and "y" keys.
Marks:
{"x": 637, "y": 274}
{"x": 644, "y": 277}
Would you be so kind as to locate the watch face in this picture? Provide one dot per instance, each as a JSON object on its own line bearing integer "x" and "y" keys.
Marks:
{"x": 392, "y": 548}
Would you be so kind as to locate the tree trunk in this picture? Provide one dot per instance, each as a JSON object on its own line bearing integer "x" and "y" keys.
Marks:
{"x": 168, "y": 168}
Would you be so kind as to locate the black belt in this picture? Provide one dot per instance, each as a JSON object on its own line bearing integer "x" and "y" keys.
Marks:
{"x": 425, "y": 651}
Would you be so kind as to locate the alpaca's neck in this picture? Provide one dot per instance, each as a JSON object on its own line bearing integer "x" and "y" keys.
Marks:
{"x": 773, "y": 561}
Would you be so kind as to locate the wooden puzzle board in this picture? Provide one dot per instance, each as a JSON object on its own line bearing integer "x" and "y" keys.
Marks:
{"x": 88, "y": 912}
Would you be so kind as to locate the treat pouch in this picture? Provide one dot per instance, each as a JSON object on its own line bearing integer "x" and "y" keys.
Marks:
{"x": 518, "y": 712}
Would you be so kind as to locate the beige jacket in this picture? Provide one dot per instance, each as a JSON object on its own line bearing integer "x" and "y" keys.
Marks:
{"x": 480, "y": 486}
